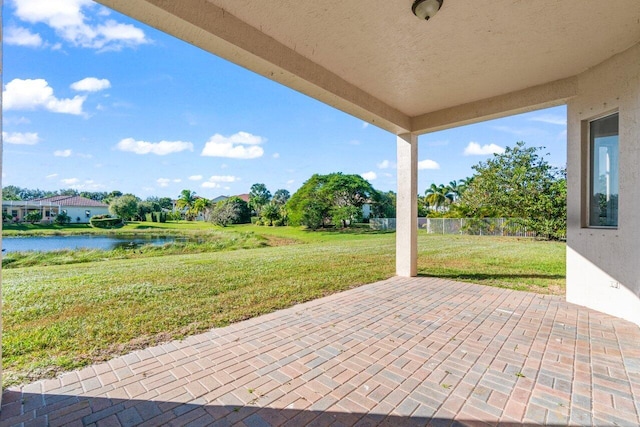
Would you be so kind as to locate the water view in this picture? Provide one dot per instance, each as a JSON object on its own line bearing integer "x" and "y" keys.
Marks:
{"x": 54, "y": 243}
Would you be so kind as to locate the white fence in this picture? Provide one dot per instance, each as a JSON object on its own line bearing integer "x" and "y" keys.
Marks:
{"x": 473, "y": 226}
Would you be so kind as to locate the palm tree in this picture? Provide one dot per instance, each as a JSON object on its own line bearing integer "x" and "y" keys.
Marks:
{"x": 185, "y": 201}
{"x": 199, "y": 206}
{"x": 453, "y": 191}
{"x": 436, "y": 196}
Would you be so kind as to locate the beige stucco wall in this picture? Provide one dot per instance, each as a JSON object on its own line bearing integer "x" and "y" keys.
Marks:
{"x": 603, "y": 265}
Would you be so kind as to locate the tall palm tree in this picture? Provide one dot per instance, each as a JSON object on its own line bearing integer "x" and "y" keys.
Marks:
{"x": 185, "y": 201}
{"x": 436, "y": 196}
{"x": 453, "y": 191}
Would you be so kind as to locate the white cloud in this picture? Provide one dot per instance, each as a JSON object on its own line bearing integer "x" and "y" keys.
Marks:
{"x": 365, "y": 125}
{"x": 385, "y": 164}
{"x": 208, "y": 184}
{"x": 354, "y": 142}
{"x": 19, "y": 36}
{"x": 66, "y": 17}
{"x": 85, "y": 156}
{"x": 195, "y": 178}
{"x": 291, "y": 181}
{"x": 161, "y": 148}
{"x": 369, "y": 176}
{"x": 215, "y": 180}
{"x": 276, "y": 155}
{"x": 27, "y": 138}
{"x": 70, "y": 181}
{"x": 34, "y": 94}
{"x": 551, "y": 119}
{"x": 241, "y": 145}
{"x": 163, "y": 182}
{"x": 223, "y": 178}
{"x": 91, "y": 84}
{"x": 53, "y": 175}
{"x": 428, "y": 164}
{"x": 474, "y": 149}
{"x": 62, "y": 153}
{"x": 177, "y": 180}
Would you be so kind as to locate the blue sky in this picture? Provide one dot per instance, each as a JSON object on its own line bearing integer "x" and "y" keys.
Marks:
{"x": 98, "y": 102}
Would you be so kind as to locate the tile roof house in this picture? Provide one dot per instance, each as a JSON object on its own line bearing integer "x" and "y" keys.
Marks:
{"x": 80, "y": 209}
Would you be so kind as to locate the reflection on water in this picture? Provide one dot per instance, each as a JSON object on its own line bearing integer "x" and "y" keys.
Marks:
{"x": 55, "y": 243}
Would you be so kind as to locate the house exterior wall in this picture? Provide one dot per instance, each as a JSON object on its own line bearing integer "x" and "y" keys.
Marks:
{"x": 603, "y": 265}
{"x": 76, "y": 212}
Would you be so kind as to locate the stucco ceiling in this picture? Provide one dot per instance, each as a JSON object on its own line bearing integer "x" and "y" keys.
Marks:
{"x": 375, "y": 59}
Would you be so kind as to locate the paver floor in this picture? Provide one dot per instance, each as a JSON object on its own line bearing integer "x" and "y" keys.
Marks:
{"x": 402, "y": 351}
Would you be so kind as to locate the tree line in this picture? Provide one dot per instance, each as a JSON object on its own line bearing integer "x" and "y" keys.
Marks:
{"x": 518, "y": 184}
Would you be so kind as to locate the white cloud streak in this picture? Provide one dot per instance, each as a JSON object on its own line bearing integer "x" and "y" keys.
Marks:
{"x": 27, "y": 138}
{"x": 475, "y": 149}
{"x": 91, "y": 84}
{"x": 195, "y": 178}
{"x": 216, "y": 180}
{"x": 369, "y": 176}
{"x": 428, "y": 164}
{"x": 62, "y": 153}
{"x": 19, "y": 36}
{"x": 241, "y": 145}
{"x": 67, "y": 19}
{"x": 161, "y": 148}
{"x": 34, "y": 94}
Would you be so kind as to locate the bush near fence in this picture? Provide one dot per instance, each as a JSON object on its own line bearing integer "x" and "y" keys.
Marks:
{"x": 473, "y": 226}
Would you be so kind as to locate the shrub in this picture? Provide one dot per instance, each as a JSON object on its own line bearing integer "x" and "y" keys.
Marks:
{"x": 62, "y": 219}
{"x": 33, "y": 217}
{"x": 104, "y": 221}
{"x": 6, "y": 217}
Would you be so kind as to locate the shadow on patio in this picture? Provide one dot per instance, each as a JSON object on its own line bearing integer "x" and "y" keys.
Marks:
{"x": 397, "y": 352}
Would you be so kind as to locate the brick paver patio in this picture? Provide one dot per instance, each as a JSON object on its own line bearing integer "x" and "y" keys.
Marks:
{"x": 397, "y": 352}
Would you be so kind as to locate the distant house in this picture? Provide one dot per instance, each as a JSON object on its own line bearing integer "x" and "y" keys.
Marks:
{"x": 80, "y": 209}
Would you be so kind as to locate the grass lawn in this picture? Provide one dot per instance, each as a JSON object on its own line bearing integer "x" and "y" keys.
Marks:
{"x": 61, "y": 317}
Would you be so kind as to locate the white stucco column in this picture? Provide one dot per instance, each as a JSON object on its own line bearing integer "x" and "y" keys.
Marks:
{"x": 407, "y": 206}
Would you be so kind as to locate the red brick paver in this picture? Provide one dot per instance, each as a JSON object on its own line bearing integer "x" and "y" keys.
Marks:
{"x": 398, "y": 352}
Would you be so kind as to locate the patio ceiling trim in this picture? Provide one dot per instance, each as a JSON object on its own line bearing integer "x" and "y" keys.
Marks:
{"x": 207, "y": 26}
{"x": 522, "y": 101}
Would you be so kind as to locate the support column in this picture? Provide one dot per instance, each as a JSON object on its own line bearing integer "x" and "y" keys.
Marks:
{"x": 407, "y": 206}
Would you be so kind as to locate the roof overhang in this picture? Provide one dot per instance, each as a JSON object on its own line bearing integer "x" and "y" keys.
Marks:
{"x": 375, "y": 60}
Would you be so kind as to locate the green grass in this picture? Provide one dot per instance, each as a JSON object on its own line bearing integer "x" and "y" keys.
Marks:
{"x": 62, "y": 317}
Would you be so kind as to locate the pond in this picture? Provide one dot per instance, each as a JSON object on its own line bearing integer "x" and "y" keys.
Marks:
{"x": 54, "y": 243}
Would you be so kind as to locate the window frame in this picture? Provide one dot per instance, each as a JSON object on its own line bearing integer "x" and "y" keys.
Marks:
{"x": 589, "y": 171}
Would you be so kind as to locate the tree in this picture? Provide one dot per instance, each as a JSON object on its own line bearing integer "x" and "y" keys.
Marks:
{"x": 145, "y": 208}
{"x": 271, "y": 212}
{"x": 200, "y": 206}
{"x": 185, "y": 201}
{"x": 323, "y": 197}
{"x": 438, "y": 196}
{"x": 125, "y": 207}
{"x": 281, "y": 197}
{"x": 112, "y": 196}
{"x": 384, "y": 204}
{"x": 520, "y": 183}
{"x": 259, "y": 196}
{"x": 233, "y": 210}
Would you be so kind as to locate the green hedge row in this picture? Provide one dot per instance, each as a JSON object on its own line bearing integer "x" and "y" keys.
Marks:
{"x": 103, "y": 221}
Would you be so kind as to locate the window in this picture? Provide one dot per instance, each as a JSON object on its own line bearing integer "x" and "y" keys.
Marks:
{"x": 603, "y": 193}
{"x": 87, "y": 213}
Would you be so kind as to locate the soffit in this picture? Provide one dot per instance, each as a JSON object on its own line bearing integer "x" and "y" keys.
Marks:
{"x": 377, "y": 61}
{"x": 471, "y": 50}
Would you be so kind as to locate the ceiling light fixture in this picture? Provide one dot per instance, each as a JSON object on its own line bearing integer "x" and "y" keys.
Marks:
{"x": 425, "y": 9}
